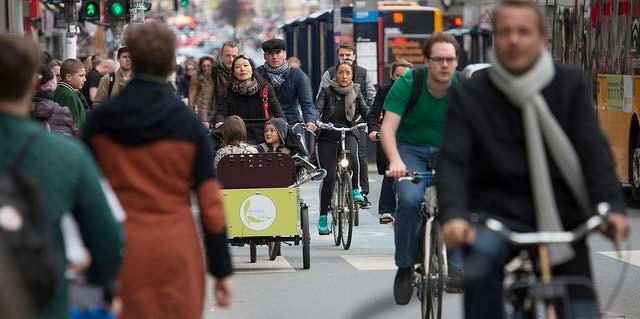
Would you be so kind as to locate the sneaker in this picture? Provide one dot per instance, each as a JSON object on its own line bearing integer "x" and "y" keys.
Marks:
{"x": 455, "y": 282}
{"x": 323, "y": 228}
{"x": 403, "y": 286}
{"x": 386, "y": 218}
{"x": 357, "y": 196}
{"x": 366, "y": 204}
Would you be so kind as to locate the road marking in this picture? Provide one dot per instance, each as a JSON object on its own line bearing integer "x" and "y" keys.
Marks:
{"x": 371, "y": 262}
{"x": 628, "y": 256}
{"x": 241, "y": 265}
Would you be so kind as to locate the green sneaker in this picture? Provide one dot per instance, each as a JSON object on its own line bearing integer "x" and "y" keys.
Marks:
{"x": 323, "y": 229}
{"x": 357, "y": 196}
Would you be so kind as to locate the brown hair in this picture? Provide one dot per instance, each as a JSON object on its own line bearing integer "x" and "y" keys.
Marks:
{"x": 152, "y": 48}
{"x": 347, "y": 46}
{"x": 20, "y": 60}
{"x": 523, "y": 4}
{"x": 234, "y": 131}
{"x": 439, "y": 37}
{"x": 400, "y": 63}
{"x": 230, "y": 44}
{"x": 71, "y": 67}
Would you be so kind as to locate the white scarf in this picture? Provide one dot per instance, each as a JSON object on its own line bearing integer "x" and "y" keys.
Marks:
{"x": 524, "y": 92}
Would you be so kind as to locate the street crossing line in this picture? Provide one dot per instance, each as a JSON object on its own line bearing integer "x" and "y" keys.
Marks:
{"x": 241, "y": 265}
{"x": 371, "y": 262}
{"x": 628, "y": 256}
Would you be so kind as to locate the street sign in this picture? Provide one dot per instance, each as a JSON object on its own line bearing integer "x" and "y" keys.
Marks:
{"x": 365, "y": 11}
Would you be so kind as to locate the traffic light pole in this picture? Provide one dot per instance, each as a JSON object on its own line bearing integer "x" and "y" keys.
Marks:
{"x": 137, "y": 11}
{"x": 71, "y": 40}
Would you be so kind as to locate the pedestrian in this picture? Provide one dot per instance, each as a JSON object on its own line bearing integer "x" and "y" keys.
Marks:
{"x": 190, "y": 71}
{"x": 113, "y": 83}
{"x": 289, "y": 84}
{"x": 144, "y": 139}
{"x": 248, "y": 96}
{"x": 67, "y": 93}
{"x": 51, "y": 115}
{"x": 342, "y": 104}
{"x": 347, "y": 51}
{"x": 234, "y": 141}
{"x": 387, "y": 203}
{"x": 214, "y": 87}
{"x": 90, "y": 88}
{"x": 518, "y": 136}
{"x": 55, "y": 67}
{"x": 195, "y": 84}
{"x": 61, "y": 169}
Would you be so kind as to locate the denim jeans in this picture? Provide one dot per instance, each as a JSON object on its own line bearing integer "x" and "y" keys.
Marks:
{"x": 387, "y": 202}
{"x": 408, "y": 217}
{"x": 484, "y": 262}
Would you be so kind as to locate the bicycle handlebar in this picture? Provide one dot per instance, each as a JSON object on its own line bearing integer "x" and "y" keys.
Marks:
{"x": 542, "y": 238}
{"x": 330, "y": 126}
{"x": 417, "y": 176}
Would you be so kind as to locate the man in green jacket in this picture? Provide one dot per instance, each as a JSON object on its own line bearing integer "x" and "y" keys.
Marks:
{"x": 67, "y": 94}
{"x": 62, "y": 170}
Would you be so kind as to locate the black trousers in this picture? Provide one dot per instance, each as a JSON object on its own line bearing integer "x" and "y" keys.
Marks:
{"x": 328, "y": 159}
{"x": 362, "y": 158}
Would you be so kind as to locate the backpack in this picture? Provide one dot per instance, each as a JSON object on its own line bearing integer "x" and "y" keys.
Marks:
{"x": 24, "y": 231}
{"x": 112, "y": 81}
{"x": 416, "y": 88}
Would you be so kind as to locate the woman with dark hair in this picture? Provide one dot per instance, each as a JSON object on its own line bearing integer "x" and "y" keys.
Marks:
{"x": 342, "y": 104}
{"x": 195, "y": 85}
{"x": 248, "y": 96}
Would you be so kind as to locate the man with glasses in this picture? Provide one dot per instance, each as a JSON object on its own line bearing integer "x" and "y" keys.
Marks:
{"x": 112, "y": 83}
{"x": 411, "y": 135}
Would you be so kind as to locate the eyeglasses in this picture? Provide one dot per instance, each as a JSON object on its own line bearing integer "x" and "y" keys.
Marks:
{"x": 443, "y": 59}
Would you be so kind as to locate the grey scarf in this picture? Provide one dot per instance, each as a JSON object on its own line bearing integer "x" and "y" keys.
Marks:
{"x": 277, "y": 75}
{"x": 249, "y": 87}
{"x": 524, "y": 92}
{"x": 350, "y": 93}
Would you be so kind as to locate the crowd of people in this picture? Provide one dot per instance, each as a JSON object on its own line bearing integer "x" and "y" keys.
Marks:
{"x": 116, "y": 181}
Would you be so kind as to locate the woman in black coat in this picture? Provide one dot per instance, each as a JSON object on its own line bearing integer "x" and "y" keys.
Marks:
{"x": 246, "y": 96}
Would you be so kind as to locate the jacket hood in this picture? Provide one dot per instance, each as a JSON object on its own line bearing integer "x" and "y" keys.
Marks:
{"x": 281, "y": 126}
{"x": 143, "y": 112}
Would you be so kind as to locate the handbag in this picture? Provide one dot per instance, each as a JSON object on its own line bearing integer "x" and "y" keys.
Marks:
{"x": 265, "y": 103}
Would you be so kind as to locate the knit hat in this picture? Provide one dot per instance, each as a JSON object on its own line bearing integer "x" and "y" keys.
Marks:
{"x": 46, "y": 73}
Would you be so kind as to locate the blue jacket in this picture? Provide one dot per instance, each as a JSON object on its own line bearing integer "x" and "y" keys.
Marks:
{"x": 294, "y": 96}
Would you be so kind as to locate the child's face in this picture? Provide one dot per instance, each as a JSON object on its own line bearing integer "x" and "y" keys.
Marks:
{"x": 77, "y": 80}
{"x": 271, "y": 135}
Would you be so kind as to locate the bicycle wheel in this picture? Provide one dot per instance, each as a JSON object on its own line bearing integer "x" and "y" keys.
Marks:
{"x": 253, "y": 254}
{"x": 356, "y": 215}
{"x": 434, "y": 283}
{"x": 348, "y": 209}
{"x": 336, "y": 226}
{"x": 306, "y": 238}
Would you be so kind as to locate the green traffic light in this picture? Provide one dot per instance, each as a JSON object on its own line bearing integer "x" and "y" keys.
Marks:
{"x": 91, "y": 9}
{"x": 184, "y": 3}
{"x": 117, "y": 9}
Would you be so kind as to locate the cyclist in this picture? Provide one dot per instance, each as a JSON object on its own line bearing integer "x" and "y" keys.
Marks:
{"x": 340, "y": 103}
{"x": 490, "y": 161}
{"x": 411, "y": 135}
{"x": 290, "y": 84}
{"x": 387, "y": 202}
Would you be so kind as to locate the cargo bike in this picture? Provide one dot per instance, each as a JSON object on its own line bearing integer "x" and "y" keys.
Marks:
{"x": 263, "y": 204}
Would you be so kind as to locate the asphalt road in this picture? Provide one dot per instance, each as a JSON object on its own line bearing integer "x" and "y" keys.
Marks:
{"x": 358, "y": 283}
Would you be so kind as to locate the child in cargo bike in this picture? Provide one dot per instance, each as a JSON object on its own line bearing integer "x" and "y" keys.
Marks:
{"x": 234, "y": 139}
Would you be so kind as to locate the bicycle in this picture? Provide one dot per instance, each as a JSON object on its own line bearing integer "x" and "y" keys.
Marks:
{"x": 343, "y": 208}
{"x": 432, "y": 270}
{"x": 528, "y": 295}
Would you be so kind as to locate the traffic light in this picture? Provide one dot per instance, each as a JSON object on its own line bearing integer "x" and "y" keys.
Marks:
{"x": 90, "y": 10}
{"x": 117, "y": 10}
{"x": 453, "y": 22}
{"x": 180, "y": 4}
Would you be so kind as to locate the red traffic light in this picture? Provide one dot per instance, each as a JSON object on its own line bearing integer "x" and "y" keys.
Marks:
{"x": 457, "y": 22}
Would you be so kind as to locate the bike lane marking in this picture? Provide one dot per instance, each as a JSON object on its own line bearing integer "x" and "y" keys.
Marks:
{"x": 628, "y": 256}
